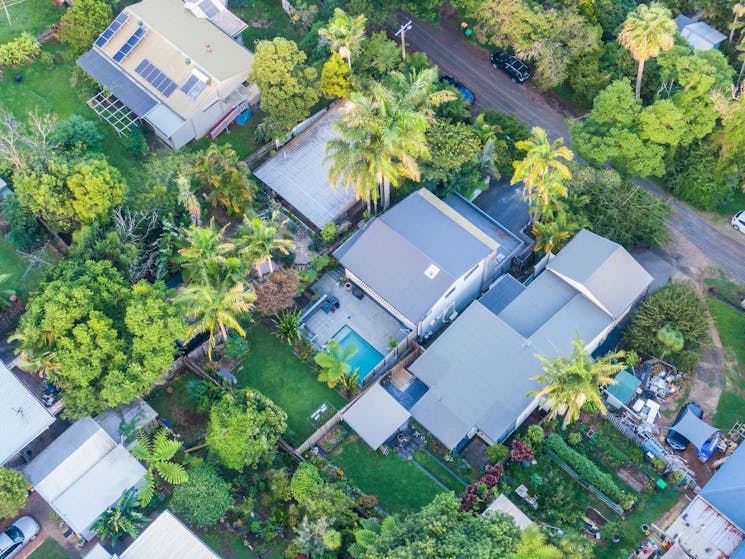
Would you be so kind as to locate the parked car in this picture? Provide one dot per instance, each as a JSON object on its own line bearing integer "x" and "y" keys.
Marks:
{"x": 515, "y": 68}
{"x": 467, "y": 94}
{"x": 738, "y": 221}
{"x": 17, "y": 535}
{"x": 675, "y": 439}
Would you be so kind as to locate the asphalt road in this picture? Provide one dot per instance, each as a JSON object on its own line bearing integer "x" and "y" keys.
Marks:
{"x": 697, "y": 243}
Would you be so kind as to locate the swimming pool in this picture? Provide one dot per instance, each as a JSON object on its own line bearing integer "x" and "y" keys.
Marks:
{"x": 366, "y": 358}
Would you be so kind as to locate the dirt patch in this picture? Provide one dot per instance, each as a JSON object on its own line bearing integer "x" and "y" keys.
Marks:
{"x": 258, "y": 23}
{"x": 634, "y": 477}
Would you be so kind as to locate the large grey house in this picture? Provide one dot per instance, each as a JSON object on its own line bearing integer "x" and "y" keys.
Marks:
{"x": 425, "y": 259}
{"x": 480, "y": 370}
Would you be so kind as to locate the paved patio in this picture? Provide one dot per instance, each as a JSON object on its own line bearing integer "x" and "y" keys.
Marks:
{"x": 364, "y": 316}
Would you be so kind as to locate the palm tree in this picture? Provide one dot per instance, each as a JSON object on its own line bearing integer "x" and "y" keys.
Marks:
{"x": 533, "y": 545}
{"x": 259, "y": 238}
{"x": 158, "y": 453}
{"x": 574, "y": 380}
{"x": 343, "y": 33}
{"x": 219, "y": 168}
{"x": 738, "y": 10}
{"x": 36, "y": 351}
{"x": 205, "y": 254}
{"x": 189, "y": 200}
{"x": 214, "y": 307}
{"x": 740, "y": 48}
{"x": 551, "y": 234}
{"x": 543, "y": 173}
{"x": 646, "y": 32}
{"x": 334, "y": 362}
{"x": 288, "y": 325}
{"x": 120, "y": 519}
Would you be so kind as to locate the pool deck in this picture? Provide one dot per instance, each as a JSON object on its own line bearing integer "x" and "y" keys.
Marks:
{"x": 371, "y": 321}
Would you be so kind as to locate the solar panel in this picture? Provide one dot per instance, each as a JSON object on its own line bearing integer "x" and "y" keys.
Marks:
{"x": 156, "y": 78}
{"x": 193, "y": 86}
{"x": 131, "y": 43}
{"x": 208, "y": 7}
{"x": 113, "y": 27}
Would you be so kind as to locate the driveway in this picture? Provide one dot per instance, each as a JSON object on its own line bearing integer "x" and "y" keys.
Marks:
{"x": 697, "y": 243}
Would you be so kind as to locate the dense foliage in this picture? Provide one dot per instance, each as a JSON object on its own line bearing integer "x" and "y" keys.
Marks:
{"x": 82, "y": 23}
{"x": 13, "y": 492}
{"x": 24, "y": 48}
{"x": 204, "y": 499}
{"x": 679, "y": 306}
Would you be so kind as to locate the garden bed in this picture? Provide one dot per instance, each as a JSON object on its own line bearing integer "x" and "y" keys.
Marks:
{"x": 173, "y": 404}
{"x": 399, "y": 485}
{"x": 333, "y": 438}
{"x": 273, "y": 369}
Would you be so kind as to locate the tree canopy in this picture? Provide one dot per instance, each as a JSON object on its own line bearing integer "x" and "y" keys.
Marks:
{"x": 13, "y": 492}
{"x": 204, "y": 499}
{"x": 82, "y": 23}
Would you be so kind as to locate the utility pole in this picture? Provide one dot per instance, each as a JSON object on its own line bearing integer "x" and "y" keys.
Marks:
{"x": 402, "y": 32}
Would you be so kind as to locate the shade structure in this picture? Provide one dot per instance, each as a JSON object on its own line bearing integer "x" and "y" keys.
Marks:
{"x": 376, "y": 416}
{"x": 694, "y": 429}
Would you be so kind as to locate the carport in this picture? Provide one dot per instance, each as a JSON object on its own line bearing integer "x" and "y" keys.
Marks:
{"x": 694, "y": 429}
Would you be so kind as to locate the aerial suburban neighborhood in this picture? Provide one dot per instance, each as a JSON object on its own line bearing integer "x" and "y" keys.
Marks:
{"x": 372, "y": 279}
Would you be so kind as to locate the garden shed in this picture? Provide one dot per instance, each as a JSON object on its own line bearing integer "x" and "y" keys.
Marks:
{"x": 376, "y": 416}
{"x": 621, "y": 393}
{"x": 503, "y": 504}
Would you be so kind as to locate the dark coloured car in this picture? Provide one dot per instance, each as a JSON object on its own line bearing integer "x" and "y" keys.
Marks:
{"x": 675, "y": 439}
{"x": 467, "y": 94}
{"x": 515, "y": 68}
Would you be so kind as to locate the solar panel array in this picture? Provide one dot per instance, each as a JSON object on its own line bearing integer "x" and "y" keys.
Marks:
{"x": 131, "y": 43}
{"x": 156, "y": 78}
{"x": 193, "y": 86}
{"x": 113, "y": 27}
{"x": 208, "y": 7}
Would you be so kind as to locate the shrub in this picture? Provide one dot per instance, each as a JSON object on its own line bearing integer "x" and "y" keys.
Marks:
{"x": 23, "y": 49}
{"x": 204, "y": 499}
{"x": 24, "y": 232}
{"x": 135, "y": 143}
{"x": 47, "y": 60}
{"x": 535, "y": 435}
{"x": 236, "y": 346}
{"x": 574, "y": 439}
{"x": 478, "y": 495}
{"x": 679, "y": 306}
{"x": 497, "y": 453}
{"x": 521, "y": 452}
{"x": 277, "y": 293}
{"x": 329, "y": 232}
{"x": 586, "y": 469}
{"x": 13, "y": 492}
{"x": 77, "y": 134}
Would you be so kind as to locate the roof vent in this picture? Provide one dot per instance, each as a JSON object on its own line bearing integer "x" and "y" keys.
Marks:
{"x": 431, "y": 271}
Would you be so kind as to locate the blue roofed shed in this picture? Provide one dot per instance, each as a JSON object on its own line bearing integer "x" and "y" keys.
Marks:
{"x": 620, "y": 393}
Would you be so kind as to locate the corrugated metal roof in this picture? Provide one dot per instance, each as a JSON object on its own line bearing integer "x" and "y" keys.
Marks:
{"x": 82, "y": 473}
{"x": 110, "y": 76}
{"x": 168, "y": 538}
{"x": 228, "y": 22}
{"x": 624, "y": 387}
{"x": 502, "y": 293}
{"x": 702, "y": 36}
{"x": 98, "y": 552}
{"x": 22, "y": 416}
{"x": 376, "y": 416}
{"x": 503, "y": 504}
{"x": 726, "y": 490}
{"x": 704, "y": 532}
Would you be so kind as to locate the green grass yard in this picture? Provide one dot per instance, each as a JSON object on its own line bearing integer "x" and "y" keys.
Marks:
{"x": 50, "y": 549}
{"x": 33, "y": 16}
{"x": 399, "y": 485}
{"x": 172, "y": 404}
{"x": 443, "y": 474}
{"x": 14, "y": 264}
{"x": 229, "y": 545}
{"x": 273, "y": 369}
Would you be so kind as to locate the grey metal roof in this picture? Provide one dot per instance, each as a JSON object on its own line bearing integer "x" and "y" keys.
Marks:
{"x": 726, "y": 490}
{"x": 137, "y": 413}
{"x": 392, "y": 253}
{"x": 603, "y": 269}
{"x": 681, "y": 21}
{"x": 82, "y": 473}
{"x": 376, "y": 416}
{"x": 167, "y": 538}
{"x": 110, "y": 76}
{"x": 297, "y": 173}
{"x": 22, "y": 416}
{"x": 97, "y": 552}
{"x": 702, "y": 36}
{"x": 501, "y": 293}
{"x": 228, "y": 22}
{"x": 479, "y": 373}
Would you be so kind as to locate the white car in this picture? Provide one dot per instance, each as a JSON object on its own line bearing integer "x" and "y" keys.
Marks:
{"x": 738, "y": 221}
{"x": 17, "y": 535}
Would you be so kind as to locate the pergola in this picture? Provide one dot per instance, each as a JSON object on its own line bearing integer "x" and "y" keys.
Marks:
{"x": 113, "y": 111}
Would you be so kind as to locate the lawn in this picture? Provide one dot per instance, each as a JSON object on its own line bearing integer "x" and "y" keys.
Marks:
{"x": 14, "y": 264}
{"x": 443, "y": 474}
{"x": 33, "y": 16}
{"x": 50, "y": 549}
{"x": 229, "y": 545}
{"x": 49, "y": 90}
{"x": 399, "y": 485}
{"x": 172, "y": 404}
{"x": 273, "y": 369}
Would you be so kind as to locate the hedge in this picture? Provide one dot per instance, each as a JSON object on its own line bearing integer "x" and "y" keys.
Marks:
{"x": 585, "y": 468}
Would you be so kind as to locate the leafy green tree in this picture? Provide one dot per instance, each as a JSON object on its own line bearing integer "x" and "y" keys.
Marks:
{"x": 318, "y": 499}
{"x": 662, "y": 122}
{"x": 334, "y": 362}
{"x": 102, "y": 341}
{"x": 647, "y": 31}
{"x": 379, "y": 55}
{"x": 20, "y": 50}
{"x": 66, "y": 196}
{"x": 158, "y": 453}
{"x": 556, "y": 229}
{"x": 335, "y": 78}
{"x": 315, "y": 539}
{"x": 440, "y": 530}
{"x": 731, "y": 137}
{"x": 572, "y": 381}
{"x": 259, "y": 238}
{"x": 497, "y": 452}
{"x": 204, "y": 499}
{"x": 227, "y": 178}
{"x": 288, "y": 87}
{"x": 24, "y": 232}
{"x": 83, "y": 22}
{"x": 244, "y": 429}
{"x": 13, "y": 492}
{"x": 344, "y": 34}
{"x": 76, "y": 135}
{"x": 121, "y": 519}
{"x": 454, "y": 150}
{"x": 534, "y": 545}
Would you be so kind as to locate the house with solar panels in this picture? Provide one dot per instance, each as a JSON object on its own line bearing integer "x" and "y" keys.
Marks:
{"x": 177, "y": 66}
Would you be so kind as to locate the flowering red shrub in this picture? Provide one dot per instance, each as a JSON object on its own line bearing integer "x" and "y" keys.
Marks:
{"x": 481, "y": 492}
{"x": 521, "y": 452}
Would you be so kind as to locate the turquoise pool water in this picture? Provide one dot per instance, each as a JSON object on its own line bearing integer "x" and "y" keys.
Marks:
{"x": 366, "y": 358}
